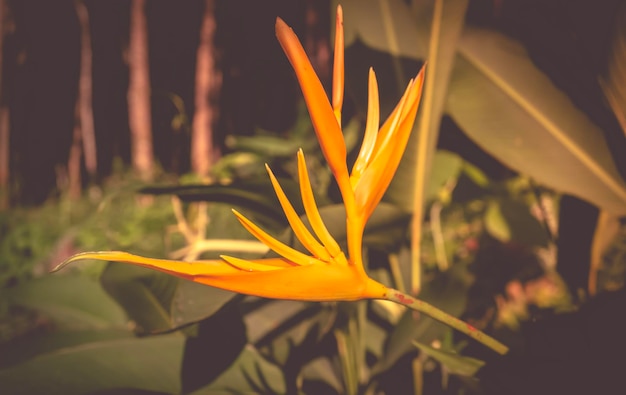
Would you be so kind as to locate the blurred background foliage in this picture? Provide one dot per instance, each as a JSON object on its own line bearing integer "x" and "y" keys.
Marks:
{"x": 514, "y": 176}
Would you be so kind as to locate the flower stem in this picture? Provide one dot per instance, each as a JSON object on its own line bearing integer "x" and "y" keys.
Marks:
{"x": 441, "y": 316}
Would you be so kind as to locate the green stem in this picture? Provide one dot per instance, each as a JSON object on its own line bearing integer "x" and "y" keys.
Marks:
{"x": 441, "y": 316}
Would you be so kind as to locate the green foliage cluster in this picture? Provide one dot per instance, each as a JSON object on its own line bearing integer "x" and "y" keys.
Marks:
{"x": 34, "y": 239}
{"x": 284, "y": 345}
{"x": 111, "y": 217}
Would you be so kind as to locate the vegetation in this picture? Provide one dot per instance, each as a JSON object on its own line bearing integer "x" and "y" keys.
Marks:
{"x": 528, "y": 247}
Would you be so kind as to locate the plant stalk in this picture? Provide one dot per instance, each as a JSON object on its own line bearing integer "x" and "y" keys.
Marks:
{"x": 441, "y": 316}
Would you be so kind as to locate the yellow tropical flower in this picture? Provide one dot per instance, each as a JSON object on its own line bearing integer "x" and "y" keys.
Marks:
{"x": 327, "y": 273}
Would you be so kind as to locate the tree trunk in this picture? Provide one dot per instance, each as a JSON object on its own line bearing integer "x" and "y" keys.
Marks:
{"x": 208, "y": 83}
{"x": 85, "y": 96}
{"x": 139, "y": 113}
{"x": 4, "y": 115}
{"x": 4, "y": 156}
{"x": 73, "y": 180}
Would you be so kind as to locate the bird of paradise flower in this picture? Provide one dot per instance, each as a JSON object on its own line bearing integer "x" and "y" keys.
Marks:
{"x": 327, "y": 274}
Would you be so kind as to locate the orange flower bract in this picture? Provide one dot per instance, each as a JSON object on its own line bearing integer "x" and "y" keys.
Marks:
{"x": 326, "y": 273}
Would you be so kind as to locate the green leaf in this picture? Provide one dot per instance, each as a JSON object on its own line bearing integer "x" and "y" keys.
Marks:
{"x": 269, "y": 317}
{"x": 446, "y": 166}
{"x": 288, "y": 330}
{"x": 70, "y": 301}
{"x": 510, "y": 220}
{"x": 158, "y": 302}
{"x": 257, "y": 196}
{"x": 193, "y": 302}
{"x": 455, "y": 363}
{"x": 144, "y": 294}
{"x": 378, "y": 23}
{"x": 25, "y": 348}
{"x": 212, "y": 347}
{"x": 321, "y": 369}
{"x": 369, "y": 27}
{"x": 503, "y": 102}
{"x": 250, "y": 373}
{"x": 514, "y": 112}
{"x": 476, "y": 175}
{"x": 151, "y": 364}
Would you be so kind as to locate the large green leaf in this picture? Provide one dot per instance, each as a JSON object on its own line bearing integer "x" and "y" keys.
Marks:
{"x": 193, "y": 302}
{"x": 514, "y": 112}
{"x": 158, "y": 302}
{"x": 385, "y": 25}
{"x": 504, "y": 103}
{"x": 150, "y": 364}
{"x": 24, "y": 348}
{"x": 144, "y": 294}
{"x": 374, "y": 29}
{"x": 70, "y": 301}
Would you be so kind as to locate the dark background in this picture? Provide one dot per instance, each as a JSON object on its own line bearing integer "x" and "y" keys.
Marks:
{"x": 568, "y": 39}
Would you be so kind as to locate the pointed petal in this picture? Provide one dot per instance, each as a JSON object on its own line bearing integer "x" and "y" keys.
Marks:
{"x": 328, "y": 131}
{"x": 416, "y": 94}
{"x": 248, "y": 265}
{"x": 387, "y": 133}
{"x": 371, "y": 129}
{"x": 338, "y": 66}
{"x": 276, "y": 262}
{"x": 365, "y": 190}
{"x": 376, "y": 178}
{"x": 178, "y": 268}
{"x": 313, "y": 214}
{"x": 387, "y": 126}
{"x": 298, "y": 227}
{"x": 280, "y": 248}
